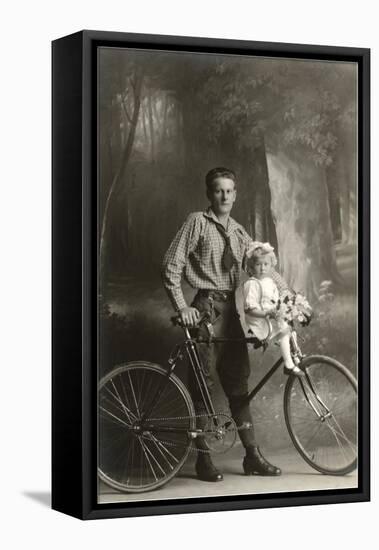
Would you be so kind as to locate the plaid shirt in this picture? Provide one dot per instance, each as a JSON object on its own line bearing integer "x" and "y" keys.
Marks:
{"x": 197, "y": 250}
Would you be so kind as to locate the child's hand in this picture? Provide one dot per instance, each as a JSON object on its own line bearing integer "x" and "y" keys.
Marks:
{"x": 272, "y": 312}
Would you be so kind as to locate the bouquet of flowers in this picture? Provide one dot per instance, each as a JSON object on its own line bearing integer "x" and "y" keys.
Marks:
{"x": 294, "y": 307}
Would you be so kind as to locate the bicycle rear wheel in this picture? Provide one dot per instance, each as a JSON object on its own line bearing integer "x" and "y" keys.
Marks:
{"x": 139, "y": 454}
{"x": 321, "y": 415}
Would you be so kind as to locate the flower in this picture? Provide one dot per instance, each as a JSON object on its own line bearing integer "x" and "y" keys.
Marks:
{"x": 294, "y": 308}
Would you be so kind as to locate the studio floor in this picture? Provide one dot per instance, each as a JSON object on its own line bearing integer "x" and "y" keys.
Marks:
{"x": 296, "y": 476}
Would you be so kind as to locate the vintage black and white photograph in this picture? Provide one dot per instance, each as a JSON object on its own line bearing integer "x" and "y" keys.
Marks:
{"x": 227, "y": 275}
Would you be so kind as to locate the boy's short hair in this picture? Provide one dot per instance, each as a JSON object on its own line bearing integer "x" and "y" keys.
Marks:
{"x": 219, "y": 172}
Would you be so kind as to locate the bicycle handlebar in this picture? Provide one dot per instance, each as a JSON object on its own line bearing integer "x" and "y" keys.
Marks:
{"x": 205, "y": 318}
{"x": 177, "y": 320}
{"x": 211, "y": 338}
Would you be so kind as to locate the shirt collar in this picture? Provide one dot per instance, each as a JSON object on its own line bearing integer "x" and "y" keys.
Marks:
{"x": 232, "y": 224}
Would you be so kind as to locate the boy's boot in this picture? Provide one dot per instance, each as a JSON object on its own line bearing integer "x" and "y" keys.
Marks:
{"x": 254, "y": 463}
{"x": 205, "y": 469}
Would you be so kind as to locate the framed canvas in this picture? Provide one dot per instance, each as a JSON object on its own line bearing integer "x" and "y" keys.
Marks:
{"x": 211, "y": 290}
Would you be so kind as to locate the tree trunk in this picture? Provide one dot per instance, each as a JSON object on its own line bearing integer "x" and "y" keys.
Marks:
{"x": 301, "y": 209}
{"x": 334, "y": 184}
{"x": 157, "y": 118}
{"x": 190, "y": 126}
{"x": 347, "y": 169}
{"x": 144, "y": 124}
{"x": 119, "y": 177}
{"x": 151, "y": 126}
{"x": 260, "y": 216}
{"x": 165, "y": 111}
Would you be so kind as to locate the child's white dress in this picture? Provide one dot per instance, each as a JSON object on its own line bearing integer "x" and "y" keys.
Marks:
{"x": 262, "y": 294}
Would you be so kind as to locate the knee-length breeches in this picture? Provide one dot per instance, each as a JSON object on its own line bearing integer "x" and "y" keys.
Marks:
{"x": 230, "y": 360}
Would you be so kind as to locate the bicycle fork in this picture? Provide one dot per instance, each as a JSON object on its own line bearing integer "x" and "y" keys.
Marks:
{"x": 325, "y": 412}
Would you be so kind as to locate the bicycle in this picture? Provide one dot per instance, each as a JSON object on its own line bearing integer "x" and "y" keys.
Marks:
{"x": 147, "y": 421}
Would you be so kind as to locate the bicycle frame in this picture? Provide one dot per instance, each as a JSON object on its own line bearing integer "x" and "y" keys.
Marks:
{"x": 190, "y": 344}
{"x": 155, "y": 424}
{"x": 190, "y": 347}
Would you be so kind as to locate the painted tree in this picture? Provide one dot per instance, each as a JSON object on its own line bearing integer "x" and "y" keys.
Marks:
{"x": 286, "y": 119}
{"x": 130, "y": 94}
{"x": 307, "y": 146}
{"x": 286, "y": 127}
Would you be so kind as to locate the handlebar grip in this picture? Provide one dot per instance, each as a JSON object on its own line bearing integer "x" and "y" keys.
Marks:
{"x": 177, "y": 320}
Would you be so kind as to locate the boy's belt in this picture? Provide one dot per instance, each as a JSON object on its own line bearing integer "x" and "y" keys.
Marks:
{"x": 217, "y": 295}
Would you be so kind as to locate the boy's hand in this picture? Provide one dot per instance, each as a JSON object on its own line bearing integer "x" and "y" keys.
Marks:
{"x": 190, "y": 316}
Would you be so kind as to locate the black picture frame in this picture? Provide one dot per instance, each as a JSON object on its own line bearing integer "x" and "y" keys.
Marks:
{"x": 74, "y": 273}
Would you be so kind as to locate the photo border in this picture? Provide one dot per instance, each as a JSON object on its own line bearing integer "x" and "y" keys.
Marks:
{"x": 75, "y": 296}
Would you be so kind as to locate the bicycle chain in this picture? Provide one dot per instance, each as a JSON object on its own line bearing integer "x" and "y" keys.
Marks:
{"x": 193, "y": 448}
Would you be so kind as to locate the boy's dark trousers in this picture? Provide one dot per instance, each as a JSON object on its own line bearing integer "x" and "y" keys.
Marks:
{"x": 229, "y": 361}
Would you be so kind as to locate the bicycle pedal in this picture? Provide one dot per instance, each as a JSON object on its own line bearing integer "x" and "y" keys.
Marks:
{"x": 193, "y": 434}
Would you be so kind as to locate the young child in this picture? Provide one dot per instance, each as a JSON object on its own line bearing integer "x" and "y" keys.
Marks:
{"x": 261, "y": 297}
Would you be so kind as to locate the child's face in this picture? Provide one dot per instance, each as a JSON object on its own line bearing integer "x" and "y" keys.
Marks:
{"x": 261, "y": 267}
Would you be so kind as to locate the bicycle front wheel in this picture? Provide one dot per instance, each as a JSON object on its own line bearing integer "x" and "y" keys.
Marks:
{"x": 145, "y": 417}
{"x": 321, "y": 415}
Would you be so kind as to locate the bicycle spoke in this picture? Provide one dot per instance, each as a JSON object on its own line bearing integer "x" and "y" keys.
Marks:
{"x": 113, "y": 459}
{"x": 305, "y": 417}
{"x": 114, "y": 405}
{"x": 139, "y": 389}
{"x": 162, "y": 456}
{"x": 341, "y": 409}
{"x": 125, "y": 469}
{"x": 323, "y": 455}
{"x": 309, "y": 398}
{"x": 342, "y": 434}
{"x": 117, "y": 398}
{"x": 115, "y": 441}
{"x": 149, "y": 453}
{"x": 168, "y": 407}
{"x": 131, "y": 468}
{"x": 116, "y": 417}
{"x": 314, "y": 392}
{"x": 131, "y": 461}
{"x": 147, "y": 392}
{"x": 327, "y": 397}
{"x": 165, "y": 406}
{"x": 303, "y": 428}
{"x": 127, "y": 402}
{"x": 112, "y": 402}
{"x": 163, "y": 449}
{"x": 340, "y": 446}
{"x": 134, "y": 395}
{"x": 315, "y": 432}
{"x": 147, "y": 458}
{"x": 340, "y": 430}
{"x": 109, "y": 420}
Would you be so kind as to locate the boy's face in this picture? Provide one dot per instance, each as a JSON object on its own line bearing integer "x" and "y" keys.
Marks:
{"x": 222, "y": 195}
{"x": 261, "y": 267}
